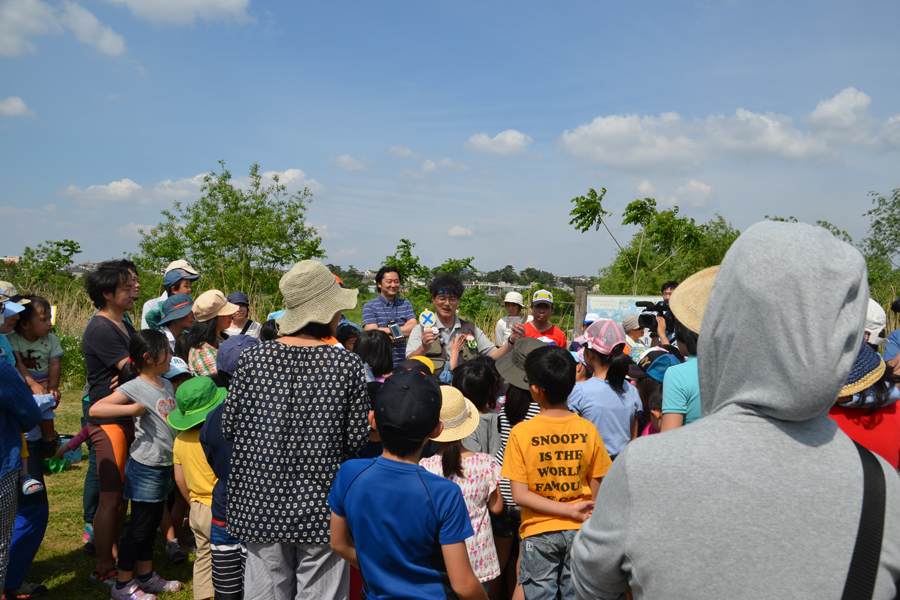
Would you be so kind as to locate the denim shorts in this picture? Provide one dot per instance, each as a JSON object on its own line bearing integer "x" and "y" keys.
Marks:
{"x": 545, "y": 572}
{"x": 147, "y": 484}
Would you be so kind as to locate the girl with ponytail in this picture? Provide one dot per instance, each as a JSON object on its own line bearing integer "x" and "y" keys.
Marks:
{"x": 477, "y": 475}
{"x": 606, "y": 399}
{"x": 144, "y": 394}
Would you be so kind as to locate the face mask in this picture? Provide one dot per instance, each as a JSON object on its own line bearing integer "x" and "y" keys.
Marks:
{"x": 2, "y": 319}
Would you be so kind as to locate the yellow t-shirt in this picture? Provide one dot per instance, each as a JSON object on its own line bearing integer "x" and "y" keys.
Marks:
{"x": 554, "y": 457}
{"x": 198, "y": 475}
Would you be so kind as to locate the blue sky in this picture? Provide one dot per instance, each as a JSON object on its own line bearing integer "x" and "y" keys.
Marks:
{"x": 465, "y": 127}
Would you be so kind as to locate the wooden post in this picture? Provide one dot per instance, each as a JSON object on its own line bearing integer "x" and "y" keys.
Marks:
{"x": 580, "y": 308}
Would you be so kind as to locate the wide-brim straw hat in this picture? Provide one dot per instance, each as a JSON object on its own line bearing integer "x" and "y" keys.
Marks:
{"x": 512, "y": 365}
{"x": 866, "y": 370}
{"x": 458, "y": 414}
{"x": 311, "y": 295}
{"x": 688, "y": 301}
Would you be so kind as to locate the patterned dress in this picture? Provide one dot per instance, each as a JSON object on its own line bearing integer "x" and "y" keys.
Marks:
{"x": 482, "y": 476}
{"x": 294, "y": 413}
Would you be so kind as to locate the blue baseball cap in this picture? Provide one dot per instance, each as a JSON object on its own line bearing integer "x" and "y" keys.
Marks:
{"x": 230, "y": 351}
{"x": 238, "y": 298}
{"x": 654, "y": 364}
{"x": 175, "y": 275}
{"x": 176, "y": 367}
{"x": 174, "y": 307}
{"x": 10, "y": 308}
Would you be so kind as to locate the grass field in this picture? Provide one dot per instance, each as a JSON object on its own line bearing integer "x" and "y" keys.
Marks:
{"x": 60, "y": 564}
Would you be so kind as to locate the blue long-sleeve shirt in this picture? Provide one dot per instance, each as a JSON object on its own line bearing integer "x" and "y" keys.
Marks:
{"x": 18, "y": 413}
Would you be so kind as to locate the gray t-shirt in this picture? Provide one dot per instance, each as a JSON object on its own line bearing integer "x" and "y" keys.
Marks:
{"x": 153, "y": 436}
{"x": 486, "y": 437}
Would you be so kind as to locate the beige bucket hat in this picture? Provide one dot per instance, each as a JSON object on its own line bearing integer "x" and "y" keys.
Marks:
{"x": 458, "y": 414}
{"x": 183, "y": 265}
{"x": 311, "y": 295}
{"x": 212, "y": 304}
{"x": 688, "y": 301}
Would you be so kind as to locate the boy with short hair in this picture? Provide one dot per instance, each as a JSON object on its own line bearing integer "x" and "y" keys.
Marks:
{"x": 388, "y": 514}
{"x": 542, "y": 308}
{"x": 554, "y": 462}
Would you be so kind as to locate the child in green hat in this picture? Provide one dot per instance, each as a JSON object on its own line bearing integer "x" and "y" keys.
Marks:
{"x": 196, "y": 398}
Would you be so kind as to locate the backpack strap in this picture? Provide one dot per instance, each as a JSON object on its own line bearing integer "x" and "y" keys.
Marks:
{"x": 860, "y": 582}
{"x": 246, "y": 327}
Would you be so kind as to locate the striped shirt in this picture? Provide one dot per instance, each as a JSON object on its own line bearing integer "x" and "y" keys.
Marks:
{"x": 505, "y": 428}
{"x": 379, "y": 312}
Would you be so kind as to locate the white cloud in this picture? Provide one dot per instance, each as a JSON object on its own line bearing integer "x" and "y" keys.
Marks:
{"x": 134, "y": 229}
{"x": 429, "y": 167}
{"x": 13, "y": 211}
{"x": 15, "y": 107}
{"x": 324, "y": 232}
{"x": 295, "y": 180}
{"x": 401, "y": 152}
{"x": 188, "y": 187}
{"x": 646, "y": 189}
{"x": 668, "y": 141}
{"x": 348, "y": 163}
{"x": 20, "y": 19}
{"x": 892, "y": 131}
{"x": 185, "y": 12}
{"x": 111, "y": 192}
{"x": 89, "y": 30}
{"x": 505, "y": 143}
{"x": 844, "y": 118}
{"x": 695, "y": 193}
{"x": 459, "y": 232}
{"x": 346, "y": 252}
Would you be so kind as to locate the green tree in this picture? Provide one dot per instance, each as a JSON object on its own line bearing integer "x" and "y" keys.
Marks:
{"x": 236, "y": 238}
{"x": 48, "y": 259}
{"x": 406, "y": 263}
{"x": 456, "y": 265}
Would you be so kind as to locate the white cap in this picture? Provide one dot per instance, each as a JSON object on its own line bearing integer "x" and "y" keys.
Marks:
{"x": 876, "y": 321}
{"x": 515, "y": 298}
{"x": 590, "y": 318}
{"x": 183, "y": 265}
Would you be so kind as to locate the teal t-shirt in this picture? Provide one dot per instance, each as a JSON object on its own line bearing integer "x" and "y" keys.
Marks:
{"x": 6, "y": 351}
{"x": 36, "y": 356}
{"x": 681, "y": 390}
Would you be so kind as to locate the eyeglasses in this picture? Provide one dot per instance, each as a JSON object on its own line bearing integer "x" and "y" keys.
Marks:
{"x": 444, "y": 298}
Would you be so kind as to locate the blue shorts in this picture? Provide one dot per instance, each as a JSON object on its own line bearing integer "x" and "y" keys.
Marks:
{"x": 147, "y": 484}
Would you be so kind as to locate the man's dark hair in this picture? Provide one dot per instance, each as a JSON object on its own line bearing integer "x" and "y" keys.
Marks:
{"x": 552, "y": 369}
{"x": 129, "y": 265}
{"x": 446, "y": 283}
{"x": 686, "y": 338}
{"x": 669, "y": 285}
{"x": 384, "y": 271}
{"x": 105, "y": 278}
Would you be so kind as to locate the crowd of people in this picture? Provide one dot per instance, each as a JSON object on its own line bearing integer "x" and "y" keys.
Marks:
{"x": 747, "y": 444}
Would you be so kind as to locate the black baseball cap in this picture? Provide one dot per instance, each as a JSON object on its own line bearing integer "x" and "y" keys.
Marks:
{"x": 408, "y": 405}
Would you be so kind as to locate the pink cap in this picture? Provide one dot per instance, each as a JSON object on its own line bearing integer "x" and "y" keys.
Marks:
{"x": 603, "y": 335}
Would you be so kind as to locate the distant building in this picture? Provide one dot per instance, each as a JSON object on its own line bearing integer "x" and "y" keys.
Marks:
{"x": 11, "y": 259}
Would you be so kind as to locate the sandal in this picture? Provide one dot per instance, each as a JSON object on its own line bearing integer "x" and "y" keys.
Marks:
{"x": 30, "y": 485}
{"x": 107, "y": 578}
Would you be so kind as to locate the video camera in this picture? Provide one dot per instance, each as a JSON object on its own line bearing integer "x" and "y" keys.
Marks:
{"x": 647, "y": 319}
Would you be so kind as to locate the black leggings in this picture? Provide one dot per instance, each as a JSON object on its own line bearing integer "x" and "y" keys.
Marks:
{"x": 141, "y": 535}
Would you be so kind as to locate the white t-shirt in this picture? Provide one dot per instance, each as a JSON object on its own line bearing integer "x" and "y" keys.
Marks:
{"x": 503, "y": 329}
{"x": 252, "y": 331}
{"x": 150, "y": 305}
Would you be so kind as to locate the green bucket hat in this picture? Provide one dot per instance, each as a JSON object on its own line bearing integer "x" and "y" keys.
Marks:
{"x": 196, "y": 398}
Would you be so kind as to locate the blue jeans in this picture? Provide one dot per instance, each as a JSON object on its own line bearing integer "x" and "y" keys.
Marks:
{"x": 147, "y": 484}
{"x": 545, "y": 568}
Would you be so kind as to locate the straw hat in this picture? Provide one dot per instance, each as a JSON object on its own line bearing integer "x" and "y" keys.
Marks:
{"x": 688, "y": 302}
{"x": 458, "y": 414}
{"x": 514, "y": 298}
{"x": 866, "y": 370}
{"x": 212, "y": 304}
{"x": 311, "y": 295}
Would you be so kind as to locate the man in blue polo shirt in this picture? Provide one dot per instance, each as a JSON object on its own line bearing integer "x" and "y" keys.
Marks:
{"x": 386, "y": 309}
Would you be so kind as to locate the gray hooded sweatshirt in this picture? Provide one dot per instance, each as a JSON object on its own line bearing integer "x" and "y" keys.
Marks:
{"x": 760, "y": 498}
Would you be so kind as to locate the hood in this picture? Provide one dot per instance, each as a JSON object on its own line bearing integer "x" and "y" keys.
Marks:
{"x": 784, "y": 322}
